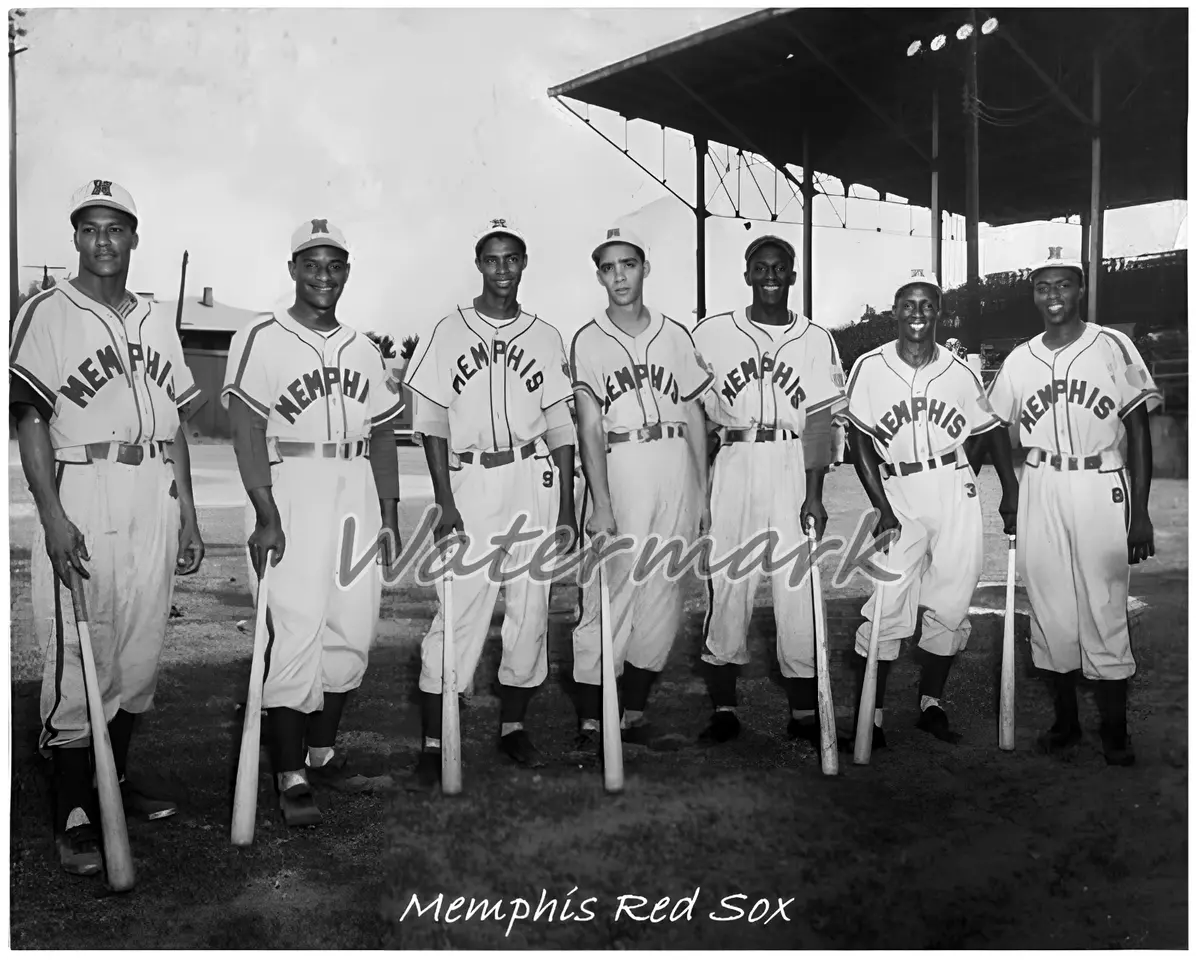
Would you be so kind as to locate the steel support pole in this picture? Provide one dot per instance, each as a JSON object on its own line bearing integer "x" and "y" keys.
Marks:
{"x": 15, "y": 289}
{"x": 1096, "y": 225}
{"x": 970, "y": 329}
{"x": 807, "y": 247}
{"x": 935, "y": 202}
{"x": 701, "y": 216}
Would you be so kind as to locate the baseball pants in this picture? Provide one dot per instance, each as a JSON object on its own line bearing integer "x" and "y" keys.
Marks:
{"x": 758, "y": 489}
{"x": 319, "y": 632}
{"x": 129, "y": 518}
{"x": 654, "y": 488}
{"x": 490, "y": 499}
{"x": 939, "y": 555}
{"x": 1073, "y": 555}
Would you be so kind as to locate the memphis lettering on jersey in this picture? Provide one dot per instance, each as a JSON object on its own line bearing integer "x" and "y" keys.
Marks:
{"x": 1076, "y": 391}
{"x": 107, "y": 366}
{"x": 937, "y": 412}
{"x": 622, "y": 380}
{"x": 478, "y": 358}
{"x": 304, "y": 390}
{"x": 740, "y": 377}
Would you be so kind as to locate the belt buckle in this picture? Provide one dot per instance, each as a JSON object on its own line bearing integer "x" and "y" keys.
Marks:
{"x": 1056, "y": 461}
{"x": 136, "y": 454}
{"x": 654, "y": 432}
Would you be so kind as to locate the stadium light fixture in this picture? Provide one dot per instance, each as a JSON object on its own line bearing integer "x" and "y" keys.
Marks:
{"x": 914, "y": 48}
{"x": 965, "y": 31}
{"x": 989, "y": 26}
{"x": 938, "y": 42}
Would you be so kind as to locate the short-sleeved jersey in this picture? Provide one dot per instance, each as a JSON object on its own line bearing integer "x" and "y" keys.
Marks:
{"x": 1071, "y": 400}
{"x": 310, "y": 387}
{"x": 769, "y": 376}
{"x": 638, "y": 381}
{"x": 108, "y": 375}
{"x": 496, "y": 378}
{"x": 916, "y": 414}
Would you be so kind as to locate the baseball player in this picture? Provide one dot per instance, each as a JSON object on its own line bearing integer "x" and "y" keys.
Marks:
{"x": 1080, "y": 394}
{"x": 311, "y": 407}
{"x": 493, "y": 389}
{"x": 638, "y": 379}
{"x": 99, "y": 390}
{"x": 919, "y": 415}
{"x": 779, "y": 384}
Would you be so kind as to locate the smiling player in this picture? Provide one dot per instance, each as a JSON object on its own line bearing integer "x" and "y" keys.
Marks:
{"x": 1079, "y": 393}
{"x": 311, "y": 407}
{"x": 99, "y": 389}
{"x": 919, "y": 413}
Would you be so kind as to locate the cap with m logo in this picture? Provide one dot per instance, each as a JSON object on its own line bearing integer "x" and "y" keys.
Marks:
{"x": 103, "y": 193}
{"x": 318, "y": 232}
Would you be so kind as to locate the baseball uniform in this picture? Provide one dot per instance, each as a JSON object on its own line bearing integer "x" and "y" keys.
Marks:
{"x": 111, "y": 384}
{"x": 642, "y": 386}
{"x": 919, "y": 420}
{"x": 768, "y": 381}
{"x": 1073, "y": 517}
{"x": 496, "y": 379}
{"x": 321, "y": 395}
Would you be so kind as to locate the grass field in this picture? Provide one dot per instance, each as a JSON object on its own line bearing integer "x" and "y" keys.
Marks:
{"x": 929, "y": 846}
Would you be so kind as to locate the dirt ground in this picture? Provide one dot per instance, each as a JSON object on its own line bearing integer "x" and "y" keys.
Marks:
{"x": 929, "y": 846}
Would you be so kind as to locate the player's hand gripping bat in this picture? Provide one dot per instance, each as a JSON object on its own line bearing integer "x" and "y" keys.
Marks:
{"x": 825, "y": 711}
{"x": 245, "y": 792}
{"x": 1008, "y": 694}
{"x": 118, "y": 858}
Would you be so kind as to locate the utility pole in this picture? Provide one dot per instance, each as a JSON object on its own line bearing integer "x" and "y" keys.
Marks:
{"x": 45, "y": 268}
{"x": 14, "y": 31}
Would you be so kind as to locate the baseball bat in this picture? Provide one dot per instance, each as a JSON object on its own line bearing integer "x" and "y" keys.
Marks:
{"x": 451, "y": 731}
{"x": 245, "y": 791}
{"x": 825, "y": 711}
{"x": 118, "y": 858}
{"x": 610, "y": 723}
{"x": 1008, "y": 695}
{"x": 866, "y": 706}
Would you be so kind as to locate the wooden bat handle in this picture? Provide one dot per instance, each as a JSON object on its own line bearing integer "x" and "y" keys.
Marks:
{"x": 77, "y": 598}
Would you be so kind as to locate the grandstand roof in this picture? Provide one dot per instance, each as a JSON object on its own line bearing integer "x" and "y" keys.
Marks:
{"x": 758, "y": 82}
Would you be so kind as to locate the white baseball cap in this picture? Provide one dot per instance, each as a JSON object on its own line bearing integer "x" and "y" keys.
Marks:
{"x": 1056, "y": 259}
{"x": 499, "y": 227}
{"x": 621, "y": 235}
{"x": 318, "y": 233}
{"x": 921, "y": 276}
{"x": 103, "y": 193}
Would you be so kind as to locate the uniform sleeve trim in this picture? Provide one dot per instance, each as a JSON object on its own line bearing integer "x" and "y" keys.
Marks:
{"x": 992, "y": 423}
{"x": 188, "y": 396}
{"x": 251, "y": 402}
{"x": 388, "y": 415}
{"x": 861, "y": 424}
{"x": 1144, "y": 397}
{"x": 836, "y": 400}
{"x": 699, "y": 390}
{"x": 557, "y": 399}
{"x": 42, "y": 390}
{"x": 587, "y": 387}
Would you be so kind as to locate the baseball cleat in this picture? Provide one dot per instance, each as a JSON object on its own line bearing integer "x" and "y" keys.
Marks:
{"x": 145, "y": 796}
{"x": 587, "y": 743}
{"x": 299, "y": 806}
{"x": 934, "y": 721}
{"x": 1118, "y": 747}
{"x": 808, "y": 730}
{"x": 723, "y": 726}
{"x": 520, "y": 749}
{"x": 427, "y": 774}
{"x": 1059, "y": 738}
{"x": 79, "y": 851}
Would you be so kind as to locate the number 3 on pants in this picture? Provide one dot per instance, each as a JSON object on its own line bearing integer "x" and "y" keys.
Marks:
{"x": 970, "y": 489}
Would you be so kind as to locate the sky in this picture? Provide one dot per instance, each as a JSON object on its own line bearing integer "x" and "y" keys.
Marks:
{"x": 410, "y": 129}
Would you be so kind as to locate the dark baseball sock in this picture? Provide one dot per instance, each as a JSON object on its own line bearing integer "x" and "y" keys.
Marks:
{"x": 514, "y": 701}
{"x": 882, "y": 667}
{"x": 934, "y": 672}
{"x": 287, "y": 738}
{"x": 1112, "y": 699}
{"x": 721, "y": 680}
{"x": 1066, "y": 701}
{"x": 120, "y": 733}
{"x": 323, "y": 725}
{"x": 590, "y": 698}
{"x": 72, "y": 784}
{"x": 431, "y": 717}
{"x": 801, "y": 693}
{"x": 635, "y": 687}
